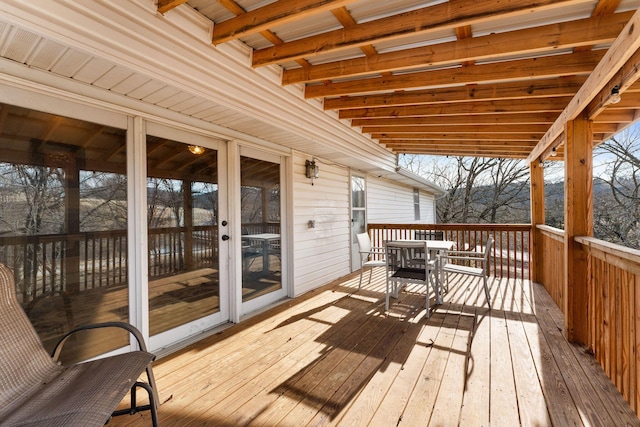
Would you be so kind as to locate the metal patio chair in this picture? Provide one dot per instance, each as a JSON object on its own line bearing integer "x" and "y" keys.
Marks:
{"x": 370, "y": 256}
{"x": 466, "y": 262}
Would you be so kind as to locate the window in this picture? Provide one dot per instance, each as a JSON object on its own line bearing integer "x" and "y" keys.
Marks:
{"x": 416, "y": 204}
{"x": 63, "y": 224}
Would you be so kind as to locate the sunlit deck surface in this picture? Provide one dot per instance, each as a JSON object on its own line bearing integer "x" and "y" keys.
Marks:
{"x": 333, "y": 357}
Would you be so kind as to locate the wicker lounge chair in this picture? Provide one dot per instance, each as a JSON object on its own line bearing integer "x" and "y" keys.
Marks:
{"x": 35, "y": 390}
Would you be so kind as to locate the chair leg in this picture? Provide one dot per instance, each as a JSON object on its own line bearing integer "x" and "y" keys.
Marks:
{"x": 360, "y": 282}
{"x": 428, "y": 284}
{"x": 386, "y": 301}
{"x": 486, "y": 291}
{"x": 370, "y": 275}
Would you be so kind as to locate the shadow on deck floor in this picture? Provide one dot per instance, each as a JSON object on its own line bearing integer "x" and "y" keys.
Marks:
{"x": 334, "y": 357}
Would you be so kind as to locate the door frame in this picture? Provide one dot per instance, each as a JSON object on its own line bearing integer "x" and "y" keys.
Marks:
{"x": 355, "y": 252}
{"x": 182, "y": 332}
{"x": 238, "y": 309}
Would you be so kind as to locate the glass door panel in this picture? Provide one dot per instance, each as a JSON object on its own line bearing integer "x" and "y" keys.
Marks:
{"x": 63, "y": 226}
{"x": 182, "y": 218}
{"x": 358, "y": 217}
{"x": 260, "y": 224}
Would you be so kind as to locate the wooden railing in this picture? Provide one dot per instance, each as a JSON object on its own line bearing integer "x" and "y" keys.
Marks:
{"x": 510, "y": 257}
{"x": 172, "y": 250}
{"x": 614, "y": 313}
{"x": 42, "y": 264}
{"x": 50, "y": 263}
{"x": 551, "y": 271}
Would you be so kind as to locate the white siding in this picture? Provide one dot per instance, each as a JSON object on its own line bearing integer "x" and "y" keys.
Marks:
{"x": 392, "y": 202}
{"x": 320, "y": 254}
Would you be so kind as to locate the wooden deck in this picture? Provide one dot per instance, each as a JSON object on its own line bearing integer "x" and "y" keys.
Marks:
{"x": 333, "y": 357}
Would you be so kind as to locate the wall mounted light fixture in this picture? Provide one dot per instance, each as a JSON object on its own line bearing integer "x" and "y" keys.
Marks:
{"x": 312, "y": 171}
{"x": 554, "y": 152}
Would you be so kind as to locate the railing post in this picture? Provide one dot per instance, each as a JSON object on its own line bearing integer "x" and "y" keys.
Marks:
{"x": 578, "y": 214}
{"x": 536, "y": 260}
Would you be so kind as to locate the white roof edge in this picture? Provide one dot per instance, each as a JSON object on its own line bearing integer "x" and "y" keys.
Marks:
{"x": 413, "y": 179}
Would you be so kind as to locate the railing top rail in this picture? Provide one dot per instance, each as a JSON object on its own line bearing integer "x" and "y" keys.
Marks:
{"x": 552, "y": 232}
{"x": 449, "y": 226}
{"x": 621, "y": 256}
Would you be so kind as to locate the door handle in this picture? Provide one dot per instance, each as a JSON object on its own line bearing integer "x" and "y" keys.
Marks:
{"x": 225, "y": 237}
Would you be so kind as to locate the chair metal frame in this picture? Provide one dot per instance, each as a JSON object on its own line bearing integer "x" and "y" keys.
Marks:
{"x": 369, "y": 255}
{"x": 403, "y": 269}
{"x": 468, "y": 257}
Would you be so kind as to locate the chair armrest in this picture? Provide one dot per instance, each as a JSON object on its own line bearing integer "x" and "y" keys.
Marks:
{"x": 462, "y": 254}
{"x": 462, "y": 258}
{"x": 132, "y": 329}
{"x": 468, "y": 253}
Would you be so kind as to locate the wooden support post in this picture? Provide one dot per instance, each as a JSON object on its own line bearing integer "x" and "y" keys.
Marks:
{"x": 187, "y": 211}
{"x": 578, "y": 214}
{"x": 72, "y": 224}
{"x": 536, "y": 260}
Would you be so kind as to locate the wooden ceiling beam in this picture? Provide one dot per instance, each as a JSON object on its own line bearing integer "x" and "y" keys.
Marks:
{"x": 238, "y": 10}
{"x": 557, "y": 86}
{"x": 464, "y": 151}
{"x": 269, "y": 16}
{"x": 548, "y": 38}
{"x": 166, "y": 5}
{"x": 544, "y": 67}
{"x": 454, "y": 109}
{"x": 451, "y": 14}
{"x": 615, "y": 116}
{"x": 625, "y": 78}
{"x": 484, "y": 145}
{"x": 617, "y": 57}
{"x": 607, "y": 127}
{"x": 471, "y": 119}
{"x": 458, "y": 136}
{"x": 474, "y": 129}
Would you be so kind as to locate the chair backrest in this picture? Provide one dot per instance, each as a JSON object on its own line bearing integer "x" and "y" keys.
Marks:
{"x": 397, "y": 253}
{"x": 364, "y": 243}
{"x": 24, "y": 362}
{"x": 487, "y": 253}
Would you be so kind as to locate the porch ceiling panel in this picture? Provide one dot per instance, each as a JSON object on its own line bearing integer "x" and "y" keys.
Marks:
{"x": 115, "y": 48}
{"x": 404, "y": 61}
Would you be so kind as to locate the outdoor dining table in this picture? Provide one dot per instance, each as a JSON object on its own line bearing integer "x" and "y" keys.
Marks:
{"x": 434, "y": 247}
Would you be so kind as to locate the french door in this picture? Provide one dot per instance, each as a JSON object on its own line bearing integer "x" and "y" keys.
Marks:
{"x": 186, "y": 218}
{"x": 261, "y": 241}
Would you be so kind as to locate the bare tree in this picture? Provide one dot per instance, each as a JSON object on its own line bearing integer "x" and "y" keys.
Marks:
{"x": 617, "y": 211}
{"x": 478, "y": 189}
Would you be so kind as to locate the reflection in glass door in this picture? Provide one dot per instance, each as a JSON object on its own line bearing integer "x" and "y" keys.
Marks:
{"x": 260, "y": 224}
{"x": 182, "y": 218}
{"x": 358, "y": 217}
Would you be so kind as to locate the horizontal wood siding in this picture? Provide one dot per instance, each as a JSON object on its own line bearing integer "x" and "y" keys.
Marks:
{"x": 320, "y": 254}
{"x": 391, "y": 202}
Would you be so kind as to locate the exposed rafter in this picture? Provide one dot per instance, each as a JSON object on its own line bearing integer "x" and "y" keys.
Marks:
{"x": 544, "y": 67}
{"x": 438, "y": 79}
{"x": 271, "y": 15}
{"x": 450, "y": 14}
{"x": 521, "y": 42}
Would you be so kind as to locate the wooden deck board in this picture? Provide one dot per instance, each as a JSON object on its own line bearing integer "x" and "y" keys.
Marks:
{"x": 333, "y": 357}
